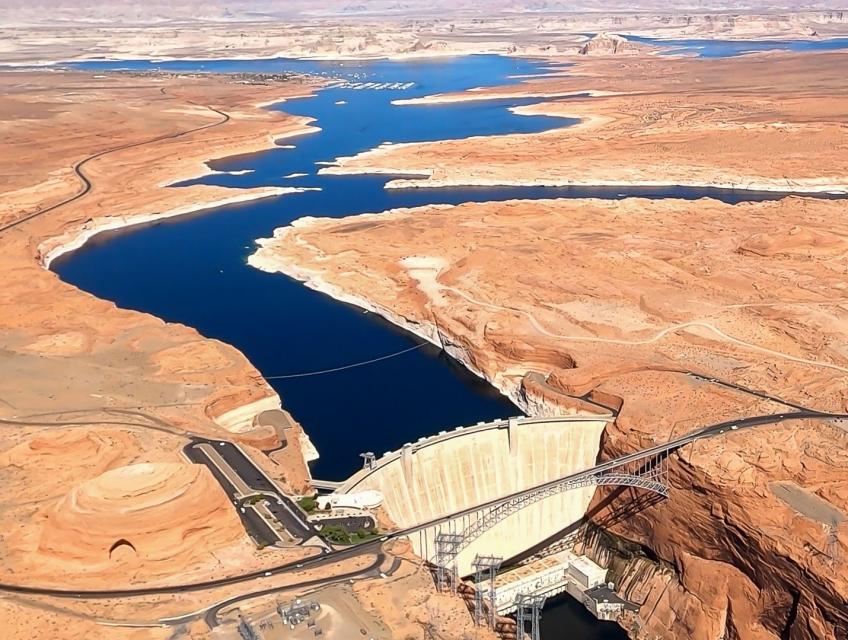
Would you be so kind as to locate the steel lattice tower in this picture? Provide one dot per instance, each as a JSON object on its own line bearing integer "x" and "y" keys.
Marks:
{"x": 528, "y": 609}
{"x": 485, "y": 568}
{"x": 447, "y": 548}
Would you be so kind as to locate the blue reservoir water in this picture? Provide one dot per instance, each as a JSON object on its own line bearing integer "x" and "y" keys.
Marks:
{"x": 730, "y": 48}
{"x": 193, "y": 269}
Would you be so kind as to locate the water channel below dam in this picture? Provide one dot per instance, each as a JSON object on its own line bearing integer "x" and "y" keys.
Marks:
{"x": 193, "y": 269}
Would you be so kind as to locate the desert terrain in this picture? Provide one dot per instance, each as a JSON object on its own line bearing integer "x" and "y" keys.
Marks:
{"x": 62, "y": 30}
{"x": 627, "y": 299}
{"x": 97, "y": 402}
{"x": 656, "y": 302}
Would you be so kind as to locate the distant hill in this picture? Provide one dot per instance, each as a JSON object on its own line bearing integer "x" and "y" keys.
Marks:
{"x": 158, "y": 11}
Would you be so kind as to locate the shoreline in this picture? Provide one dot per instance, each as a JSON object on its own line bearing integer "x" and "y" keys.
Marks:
{"x": 426, "y": 181}
{"x": 51, "y": 247}
{"x": 423, "y": 179}
{"x": 503, "y": 48}
{"x": 772, "y": 187}
{"x": 479, "y": 94}
{"x": 54, "y": 247}
{"x": 307, "y": 129}
{"x": 77, "y": 237}
{"x": 264, "y": 259}
{"x": 281, "y": 55}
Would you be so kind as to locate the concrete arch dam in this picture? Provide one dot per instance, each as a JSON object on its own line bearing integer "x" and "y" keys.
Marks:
{"x": 453, "y": 471}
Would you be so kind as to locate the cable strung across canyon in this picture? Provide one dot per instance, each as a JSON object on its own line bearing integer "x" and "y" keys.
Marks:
{"x": 347, "y": 366}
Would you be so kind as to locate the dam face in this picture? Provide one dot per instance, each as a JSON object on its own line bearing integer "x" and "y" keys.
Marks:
{"x": 458, "y": 470}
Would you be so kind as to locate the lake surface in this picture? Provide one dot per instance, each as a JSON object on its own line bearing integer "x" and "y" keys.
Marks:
{"x": 731, "y": 48}
{"x": 193, "y": 269}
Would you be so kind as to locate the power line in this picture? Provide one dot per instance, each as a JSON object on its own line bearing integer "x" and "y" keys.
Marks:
{"x": 347, "y": 366}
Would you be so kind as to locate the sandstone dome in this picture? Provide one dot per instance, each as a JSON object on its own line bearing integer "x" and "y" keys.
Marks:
{"x": 795, "y": 241}
{"x": 144, "y": 514}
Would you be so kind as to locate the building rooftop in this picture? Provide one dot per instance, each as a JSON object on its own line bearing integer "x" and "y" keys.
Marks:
{"x": 587, "y": 567}
{"x": 602, "y": 593}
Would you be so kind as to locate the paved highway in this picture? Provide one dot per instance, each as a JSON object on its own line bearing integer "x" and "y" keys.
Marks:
{"x": 373, "y": 547}
{"x": 86, "y": 183}
{"x": 241, "y": 478}
{"x": 211, "y": 616}
{"x": 751, "y": 392}
{"x": 256, "y": 526}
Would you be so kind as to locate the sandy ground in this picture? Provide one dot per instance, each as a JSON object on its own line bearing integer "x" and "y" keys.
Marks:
{"x": 655, "y": 121}
{"x": 397, "y": 602}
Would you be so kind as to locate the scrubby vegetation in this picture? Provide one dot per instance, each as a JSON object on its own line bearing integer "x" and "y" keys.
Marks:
{"x": 337, "y": 534}
{"x": 308, "y": 503}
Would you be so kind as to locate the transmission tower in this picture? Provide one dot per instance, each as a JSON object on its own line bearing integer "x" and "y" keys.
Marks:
{"x": 528, "y": 609}
{"x": 485, "y": 568}
{"x": 447, "y": 548}
{"x": 368, "y": 459}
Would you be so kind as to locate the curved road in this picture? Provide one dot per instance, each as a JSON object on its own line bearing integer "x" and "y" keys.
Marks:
{"x": 360, "y": 549}
{"x": 211, "y": 616}
{"x": 374, "y": 545}
{"x": 86, "y": 183}
{"x": 644, "y": 341}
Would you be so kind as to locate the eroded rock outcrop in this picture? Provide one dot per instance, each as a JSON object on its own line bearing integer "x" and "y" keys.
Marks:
{"x": 607, "y": 44}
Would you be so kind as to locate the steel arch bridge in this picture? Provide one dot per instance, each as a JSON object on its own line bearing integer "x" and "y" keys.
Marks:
{"x": 649, "y": 473}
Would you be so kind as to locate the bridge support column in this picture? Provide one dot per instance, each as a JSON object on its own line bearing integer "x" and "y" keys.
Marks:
{"x": 447, "y": 548}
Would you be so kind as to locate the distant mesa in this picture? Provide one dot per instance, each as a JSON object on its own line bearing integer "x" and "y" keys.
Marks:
{"x": 607, "y": 44}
